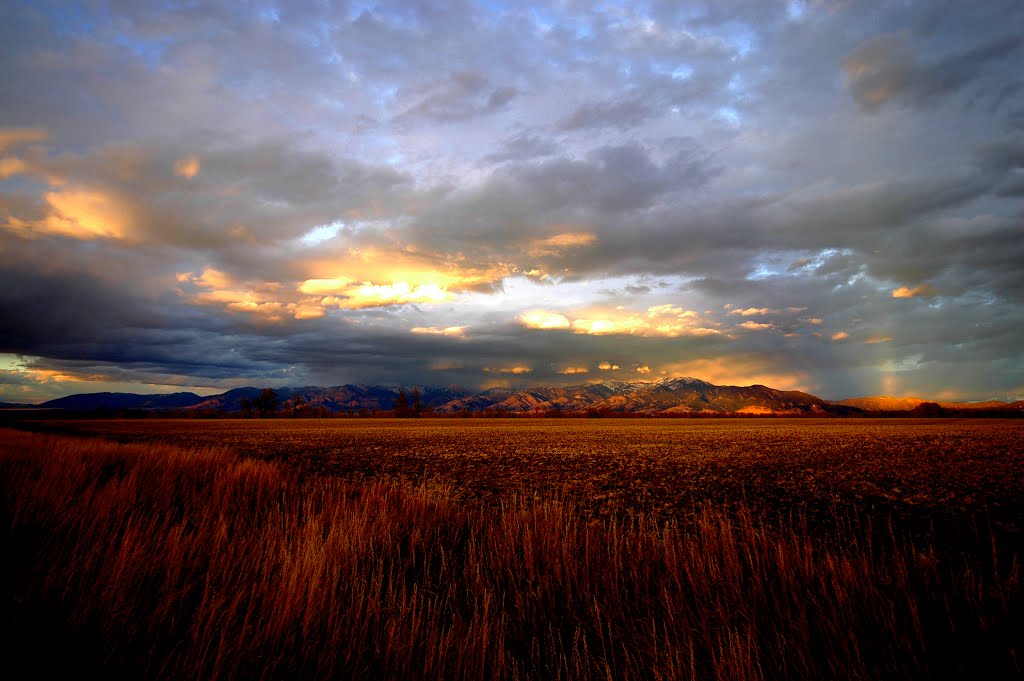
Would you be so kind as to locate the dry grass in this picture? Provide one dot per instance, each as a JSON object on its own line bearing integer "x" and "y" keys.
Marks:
{"x": 153, "y": 561}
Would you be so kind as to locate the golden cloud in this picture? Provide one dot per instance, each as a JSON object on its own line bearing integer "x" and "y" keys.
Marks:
{"x": 319, "y": 287}
{"x": 752, "y": 311}
{"x": 924, "y": 291}
{"x": 748, "y": 369}
{"x": 659, "y": 320}
{"x": 307, "y": 309}
{"x": 56, "y": 376}
{"x": 187, "y": 167}
{"x": 515, "y": 370}
{"x": 455, "y": 331}
{"x": 12, "y": 136}
{"x": 607, "y": 366}
{"x": 209, "y": 278}
{"x": 11, "y": 166}
{"x": 756, "y": 326}
{"x": 260, "y": 299}
{"x": 643, "y": 370}
{"x": 80, "y": 213}
{"x": 557, "y": 245}
{"x": 334, "y": 275}
{"x": 570, "y": 371}
{"x": 543, "y": 319}
{"x": 360, "y": 296}
{"x": 878, "y": 339}
{"x": 840, "y": 335}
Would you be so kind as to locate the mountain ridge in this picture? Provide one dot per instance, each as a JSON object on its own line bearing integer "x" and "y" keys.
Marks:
{"x": 668, "y": 396}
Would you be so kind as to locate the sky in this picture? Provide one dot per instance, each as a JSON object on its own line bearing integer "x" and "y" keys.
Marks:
{"x": 824, "y": 196}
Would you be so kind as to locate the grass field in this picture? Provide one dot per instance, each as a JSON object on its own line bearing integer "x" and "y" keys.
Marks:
{"x": 511, "y": 549}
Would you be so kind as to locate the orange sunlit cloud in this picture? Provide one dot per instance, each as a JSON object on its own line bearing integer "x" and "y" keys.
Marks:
{"x": 752, "y": 311}
{"x": 878, "y": 339}
{"x": 744, "y": 370}
{"x": 80, "y": 213}
{"x": 454, "y": 331}
{"x": 262, "y": 299}
{"x": 366, "y": 294}
{"x": 557, "y": 245}
{"x": 570, "y": 371}
{"x": 517, "y": 370}
{"x": 330, "y": 275}
{"x": 319, "y": 287}
{"x": 63, "y": 376}
{"x": 208, "y": 278}
{"x": 11, "y": 166}
{"x": 756, "y": 326}
{"x": 924, "y": 290}
{"x": 840, "y": 335}
{"x": 608, "y": 366}
{"x": 187, "y": 167}
{"x": 543, "y": 319}
{"x": 12, "y": 136}
{"x": 659, "y": 320}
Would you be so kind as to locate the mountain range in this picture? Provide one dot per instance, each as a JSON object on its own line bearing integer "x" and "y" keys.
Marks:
{"x": 670, "y": 396}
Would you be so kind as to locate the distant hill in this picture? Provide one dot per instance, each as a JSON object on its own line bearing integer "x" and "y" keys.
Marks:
{"x": 90, "y": 401}
{"x": 344, "y": 398}
{"x": 884, "y": 403}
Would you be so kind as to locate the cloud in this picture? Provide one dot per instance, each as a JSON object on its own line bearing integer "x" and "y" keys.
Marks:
{"x": 664, "y": 320}
{"x": 517, "y": 370}
{"x": 364, "y": 295}
{"x": 921, "y": 291}
{"x": 187, "y": 167}
{"x": 459, "y": 96}
{"x": 544, "y": 319}
{"x": 452, "y": 331}
{"x": 11, "y": 166}
{"x": 885, "y": 67}
{"x": 10, "y": 137}
{"x": 617, "y": 113}
{"x": 559, "y": 243}
{"x": 208, "y": 278}
{"x": 81, "y": 213}
{"x": 572, "y": 371}
{"x": 756, "y": 326}
{"x": 608, "y": 366}
{"x": 751, "y": 311}
{"x": 743, "y": 369}
{"x": 840, "y": 335}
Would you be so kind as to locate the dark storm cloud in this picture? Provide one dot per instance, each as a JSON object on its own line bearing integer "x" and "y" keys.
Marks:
{"x": 619, "y": 113}
{"x": 885, "y": 68}
{"x": 523, "y": 147}
{"x": 463, "y": 95}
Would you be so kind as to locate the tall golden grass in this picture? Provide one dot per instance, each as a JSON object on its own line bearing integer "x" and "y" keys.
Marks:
{"x": 150, "y": 561}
